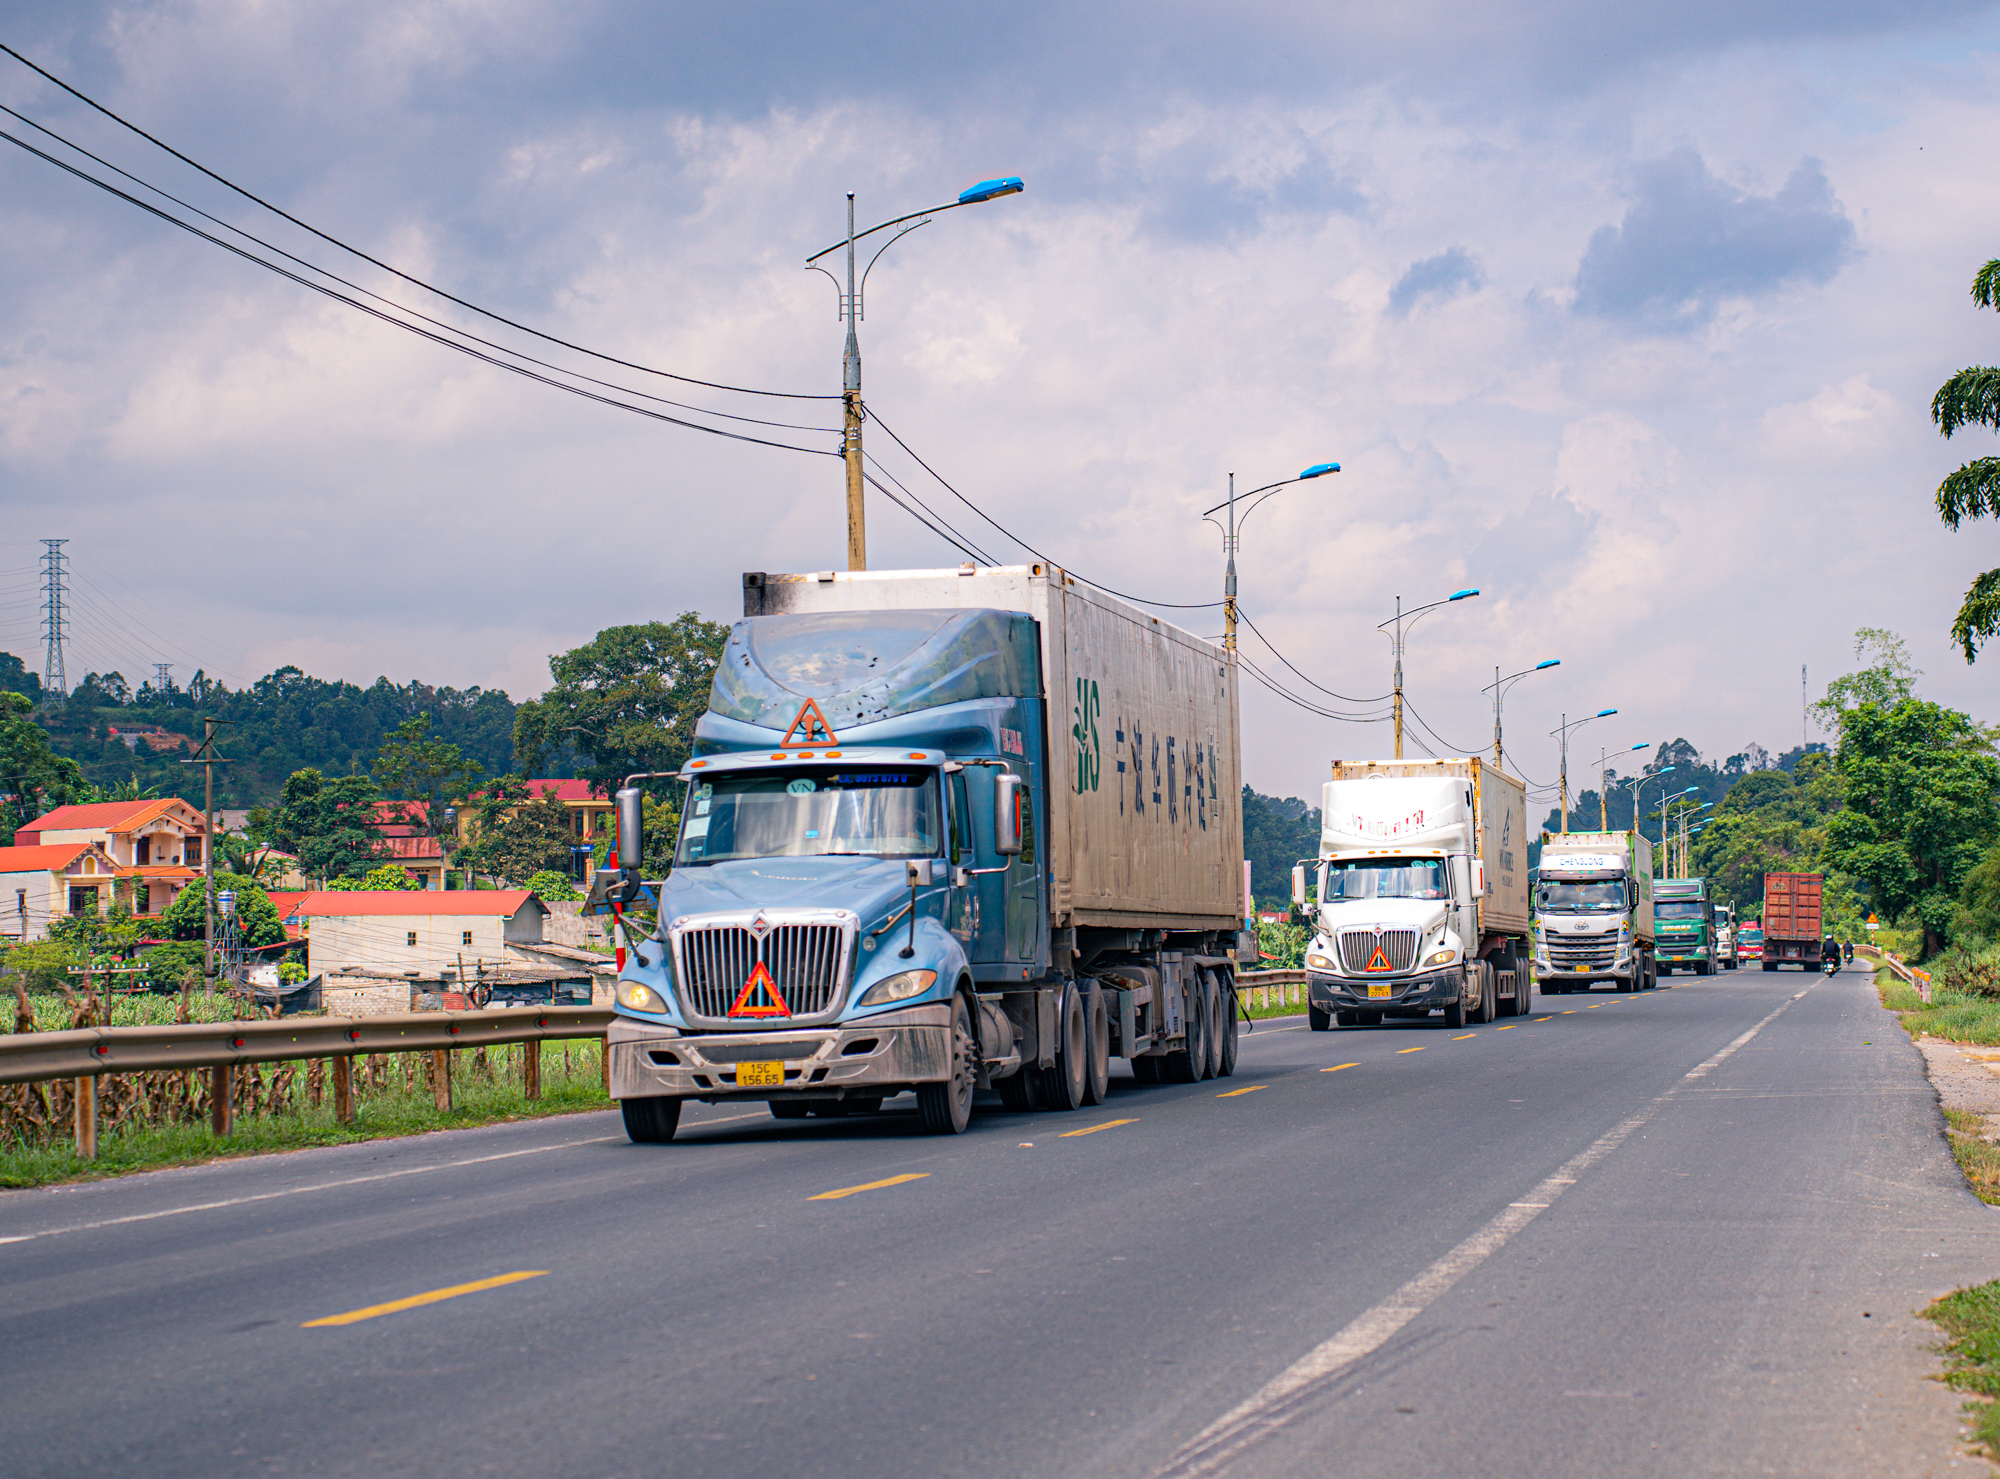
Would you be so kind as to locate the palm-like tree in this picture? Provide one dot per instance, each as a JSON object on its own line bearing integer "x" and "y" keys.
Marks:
{"x": 1972, "y": 398}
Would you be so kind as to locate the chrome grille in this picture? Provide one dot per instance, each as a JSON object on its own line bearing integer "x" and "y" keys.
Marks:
{"x": 1592, "y": 953}
{"x": 807, "y": 964}
{"x": 1357, "y": 948}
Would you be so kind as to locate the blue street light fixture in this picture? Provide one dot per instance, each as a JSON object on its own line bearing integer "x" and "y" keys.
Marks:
{"x": 852, "y": 303}
{"x": 1393, "y": 630}
{"x": 1318, "y": 469}
{"x": 1497, "y": 690}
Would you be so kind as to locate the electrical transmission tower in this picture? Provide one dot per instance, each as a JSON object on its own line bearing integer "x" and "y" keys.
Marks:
{"x": 163, "y": 678}
{"x": 55, "y": 682}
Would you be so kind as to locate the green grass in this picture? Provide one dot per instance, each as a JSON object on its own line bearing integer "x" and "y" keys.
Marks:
{"x": 1970, "y": 1319}
{"x": 1956, "y": 1018}
{"x": 398, "y": 1108}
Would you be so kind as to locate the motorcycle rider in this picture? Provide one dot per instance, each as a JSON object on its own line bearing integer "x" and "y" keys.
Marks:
{"x": 1829, "y": 954}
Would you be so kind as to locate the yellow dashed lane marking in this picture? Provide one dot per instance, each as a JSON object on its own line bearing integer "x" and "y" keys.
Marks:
{"x": 1510, "y": 1026}
{"x": 1093, "y": 1129}
{"x": 1338, "y": 1066}
{"x": 395, "y": 1306}
{"x": 1417, "y": 1049}
{"x": 1462, "y": 1039}
{"x": 848, "y": 1191}
{"x": 1543, "y": 1019}
{"x": 1234, "y": 1092}
{"x": 1593, "y": 1006}
{"x": 1570, "y": 1013}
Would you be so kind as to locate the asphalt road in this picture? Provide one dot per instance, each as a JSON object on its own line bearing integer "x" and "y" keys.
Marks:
{"x": 1677, "y": 1234}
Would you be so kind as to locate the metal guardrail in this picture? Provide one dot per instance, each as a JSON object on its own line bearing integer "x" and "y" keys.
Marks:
{"x": 1290, "y": 987}
{"x": 87, "y": 1054}
{"x": 1919, "y": 979}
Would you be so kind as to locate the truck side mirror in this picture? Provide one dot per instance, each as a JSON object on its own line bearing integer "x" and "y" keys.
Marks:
{"x": 1299, "y": 886}
{"x": 631, "y": 802}
{"x": 1008, "y": 799}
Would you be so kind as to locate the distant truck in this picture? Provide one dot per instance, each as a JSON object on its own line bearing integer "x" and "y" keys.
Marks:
{"x": 1684, "y": 920}
{"x": 1594, "y": 912}
{"x": 1725, "y": 935}
{"x": 1793, "y": 925}
{"x": 942, "y": 830}
{"x": 1749, "y": 940}
{"x": 1419, "y": 894}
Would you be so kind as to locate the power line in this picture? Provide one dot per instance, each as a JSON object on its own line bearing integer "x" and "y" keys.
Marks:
{"x": 388, "y": 318}
{"x": 1343, "y": 697}
{"x": 396, "y": 272}
{"x": 1045, "y": 559}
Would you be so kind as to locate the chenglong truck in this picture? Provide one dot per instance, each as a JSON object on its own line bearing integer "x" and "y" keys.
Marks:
{"x": 942, "y": 830}
{"x": 1594, "y": 912}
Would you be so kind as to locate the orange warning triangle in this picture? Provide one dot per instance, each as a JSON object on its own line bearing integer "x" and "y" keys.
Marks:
{"x": 810, "y": 728}
{"x": 759, "y": 997}
{"x": 1378, "y": 961}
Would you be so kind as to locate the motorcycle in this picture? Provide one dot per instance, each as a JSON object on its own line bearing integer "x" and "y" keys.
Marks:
{"x": 1847, "y": 953}
{"x": 1832, "y": 964}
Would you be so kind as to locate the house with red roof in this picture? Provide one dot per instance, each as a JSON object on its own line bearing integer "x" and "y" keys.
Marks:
{"x": 390, "y": 932}
{"x": 155, "y": 849}
{"x": 590, "y": 815}
{"x": 50, "y": 881}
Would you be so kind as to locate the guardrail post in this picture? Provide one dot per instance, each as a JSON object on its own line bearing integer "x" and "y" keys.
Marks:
{"x": 531, "y": 1068}
{"x": 604, "y": 1063}
{"x": 441, "y": 1078}
{"x": 86, "y": 1118}
{"x": 343, "y": 1090}
{"x": 222, "y": 1099}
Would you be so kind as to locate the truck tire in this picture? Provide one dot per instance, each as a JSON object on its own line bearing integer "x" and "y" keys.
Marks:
{"x": 1184, "y": 1064}
{"x": 1146, "y": 1070}
{"x": 651, "y": 1121}
{"x": 1454, "y": 1015}
{"x": 1770, "y": 965}
{"x": 1227, "y": 1023}
{"x": 1098, "y": 1082}
{"x": 946, "y": 1108}
{"x": 790, "y": 1109}
{"x": 1018, "y": 1091}
{"x": 1212, "y": 1026}
{"x": 1319, "y": 1021}
{"x": 1704, "y": 967}
{"x": 1065, "y": 1081}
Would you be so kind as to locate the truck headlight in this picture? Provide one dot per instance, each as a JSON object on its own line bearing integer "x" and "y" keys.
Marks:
{"x": 639, "y": 997}
{"x": 1319, "y": 962}
{"x": 899, "y": 987}
{"x": 1441, "y": 957}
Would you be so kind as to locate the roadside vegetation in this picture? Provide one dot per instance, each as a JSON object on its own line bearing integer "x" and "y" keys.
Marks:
{"x": 1970, "y": 1319}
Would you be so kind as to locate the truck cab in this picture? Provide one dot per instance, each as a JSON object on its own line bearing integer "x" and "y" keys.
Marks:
{"x": 1684, "y": 915}
{"x": 1594, "y": 912}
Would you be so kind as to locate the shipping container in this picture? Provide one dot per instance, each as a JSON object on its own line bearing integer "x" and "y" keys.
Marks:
{"x": 1794, "y": 928}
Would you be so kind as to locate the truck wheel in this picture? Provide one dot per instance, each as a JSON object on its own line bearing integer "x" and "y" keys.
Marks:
{"x": 1226, "y": 1024}
{"x": 1319, "y": 1021}
{"x": 1184, "y": 1064}
{"x": 1770, "y": 965}
{"x": 1064, "y": 1081}
{"x": 1454, "y": 1015}
{"x": 946, "y": 1108}
{"x": 1212, "y": 1025}
{"x": 1017, "y": 1090}
{"x": 1098, "y": 1082}
{"x": 789, "y": 1109}
{"x": 651, "y": 1121}
{"x": 1146, "y": 1070}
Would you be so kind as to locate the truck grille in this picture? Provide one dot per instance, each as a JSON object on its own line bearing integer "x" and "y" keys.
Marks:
{"x": 807, "y": 965}
{"x": 1357, "y": 949}
{"x": 1595, "y": 954}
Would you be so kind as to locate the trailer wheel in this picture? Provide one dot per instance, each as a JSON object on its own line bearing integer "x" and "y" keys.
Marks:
{"x": 1146, "y": 1070}
{"x": 1212, "y": 1025}
{"x": 1227, "y": 1024}
{"x": 1098, "y": 1084}
{"x": 1184, "y": 1064}
{"x": 1770, "y": 965}
{"x": 651, "y": 1121}
{"x": 1065, "y": 1080}
{"x": 946, "y": 1108}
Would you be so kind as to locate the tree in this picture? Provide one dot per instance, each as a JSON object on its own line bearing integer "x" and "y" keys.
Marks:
{"x": 1969, "y": 398}
{"x": 33, "y": 777}
{"x": 518, "y": 834}
{"x": 15, "y": 677}
{"x": 628, "y": 699}
{"x": 1885, "y": 682}
{"x": 1922, "y": 787}
{"x": 257, "y": 920}
{"x": 328, "y": 825}
{"x": 390, "y": 877}
{"x": 549, "y": 886}
{"x": 1276, "y": 834}
{"x": 424, "y": 775}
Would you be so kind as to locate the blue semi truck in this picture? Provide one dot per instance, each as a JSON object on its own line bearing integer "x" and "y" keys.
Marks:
{"x": 941, "y": 831}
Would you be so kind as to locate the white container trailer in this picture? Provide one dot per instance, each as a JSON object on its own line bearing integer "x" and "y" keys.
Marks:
{"x": 1420, "y": 894}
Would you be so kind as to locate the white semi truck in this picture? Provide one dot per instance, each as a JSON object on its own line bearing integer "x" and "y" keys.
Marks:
{"x": 1594, "y": 912}
{"x": 1419, "y": 894}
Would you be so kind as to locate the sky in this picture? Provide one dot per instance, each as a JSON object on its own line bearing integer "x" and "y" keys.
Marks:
{"x": 1629, "y": 321}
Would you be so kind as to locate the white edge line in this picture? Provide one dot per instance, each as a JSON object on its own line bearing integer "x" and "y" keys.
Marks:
{"x": 1250, "y": 1421}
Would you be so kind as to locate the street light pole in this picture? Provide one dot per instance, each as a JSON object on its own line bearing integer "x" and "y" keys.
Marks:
{"x": 1604, "y": 790}
{"x": 1562, "y": 731}
{"x": 1318, "y": 469}
{"x": 1396, "y": 640}
{"x": 1498, "y": 690}
{"x": 851, "y": 303}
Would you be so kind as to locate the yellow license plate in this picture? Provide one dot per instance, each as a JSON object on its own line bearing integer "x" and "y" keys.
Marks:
{"x": 760, "y": 1075}
{"x": 1378, "y": 988}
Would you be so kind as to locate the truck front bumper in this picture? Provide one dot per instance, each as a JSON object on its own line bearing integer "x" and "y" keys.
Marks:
{"x": 876, "y": 1055}
{"x": 1346, "y": 994}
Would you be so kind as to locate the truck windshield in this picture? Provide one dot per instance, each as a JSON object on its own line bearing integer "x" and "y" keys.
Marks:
{"x": 1677, "y": 908}
{"x": 1385, "y": 878}
{"x": 811, "y": 811}
{"x": 1578, "y": 898}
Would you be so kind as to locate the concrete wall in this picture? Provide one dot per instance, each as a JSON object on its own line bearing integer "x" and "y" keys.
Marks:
{"x": 567, "y": 925}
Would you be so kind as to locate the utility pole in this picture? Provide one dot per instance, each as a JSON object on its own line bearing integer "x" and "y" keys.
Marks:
{"x": 1803, "y": 706}
{"x": 1564, "y": 731}
{"x": 1399, "y": 683}
{"x": 54, "y": 680}
{"x": 850, "y": 397}
{"x": 1496, "y": 716}
{"x": 208, "y": 760}
{"x": 1229, "y": 580}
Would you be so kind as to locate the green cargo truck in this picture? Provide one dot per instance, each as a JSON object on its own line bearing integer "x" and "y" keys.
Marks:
{"x": 1684, "y": 922}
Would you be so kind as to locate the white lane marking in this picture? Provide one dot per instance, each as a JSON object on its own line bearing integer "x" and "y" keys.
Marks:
{"x": 1276, "y": 1402}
